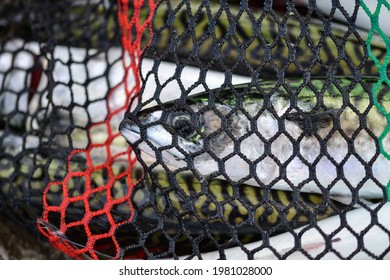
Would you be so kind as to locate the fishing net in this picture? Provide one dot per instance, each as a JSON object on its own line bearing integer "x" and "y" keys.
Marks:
{"x": 197, "y": 129}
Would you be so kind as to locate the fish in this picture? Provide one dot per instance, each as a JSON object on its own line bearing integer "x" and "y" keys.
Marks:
{"x": 262, "y": 43}
{"x": 305, "y": 136}
{"x": 342, "y": 243}
{"x": 267, "y": 52}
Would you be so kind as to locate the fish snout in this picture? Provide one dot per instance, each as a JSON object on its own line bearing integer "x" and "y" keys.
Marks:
{"x": 128, "y": 123}
{"x": 129, "y": 130}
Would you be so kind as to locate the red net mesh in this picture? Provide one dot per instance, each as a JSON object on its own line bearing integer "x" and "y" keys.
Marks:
{"x": 90, "y": 242}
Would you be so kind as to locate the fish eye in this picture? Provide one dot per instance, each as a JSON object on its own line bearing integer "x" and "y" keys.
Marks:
{"x": 183, "y": 124}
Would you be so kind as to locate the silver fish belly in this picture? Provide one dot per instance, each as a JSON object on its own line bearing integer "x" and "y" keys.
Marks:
{"x": 314, "y": 140}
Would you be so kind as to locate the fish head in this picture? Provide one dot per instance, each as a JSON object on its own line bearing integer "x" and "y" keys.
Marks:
{"x": 181, "y": 132}
{"x": 174, "y": 133}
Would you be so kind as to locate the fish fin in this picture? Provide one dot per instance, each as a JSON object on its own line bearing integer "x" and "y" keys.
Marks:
{"x": 312, "y": 121}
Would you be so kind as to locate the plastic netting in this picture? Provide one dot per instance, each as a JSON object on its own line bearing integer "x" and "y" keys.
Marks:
{"x": 382, "y": 68}
{"x": 197, "y": 129}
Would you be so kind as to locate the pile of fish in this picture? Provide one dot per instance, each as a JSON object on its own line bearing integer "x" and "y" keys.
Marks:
{"x": 227, "y": 158}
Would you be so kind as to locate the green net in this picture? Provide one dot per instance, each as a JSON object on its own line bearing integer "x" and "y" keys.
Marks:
{"x": 382, "y": 68}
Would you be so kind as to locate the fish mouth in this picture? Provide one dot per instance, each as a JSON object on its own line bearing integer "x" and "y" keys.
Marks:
{"x": 132, "y": 133}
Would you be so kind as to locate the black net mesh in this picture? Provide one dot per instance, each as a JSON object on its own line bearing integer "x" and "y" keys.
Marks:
{"x": 195, "y": 129}
{"x": 45, "y": 83}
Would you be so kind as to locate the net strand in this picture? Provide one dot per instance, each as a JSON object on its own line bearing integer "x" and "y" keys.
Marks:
{"x": 382, "y": 69}
{"x": 130, "y": 59}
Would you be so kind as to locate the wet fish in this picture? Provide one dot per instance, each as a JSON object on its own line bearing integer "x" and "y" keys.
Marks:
{"x": 306, "y": 136}
{"x": 342, "y": 243}
{"x": 270, "y": 39}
